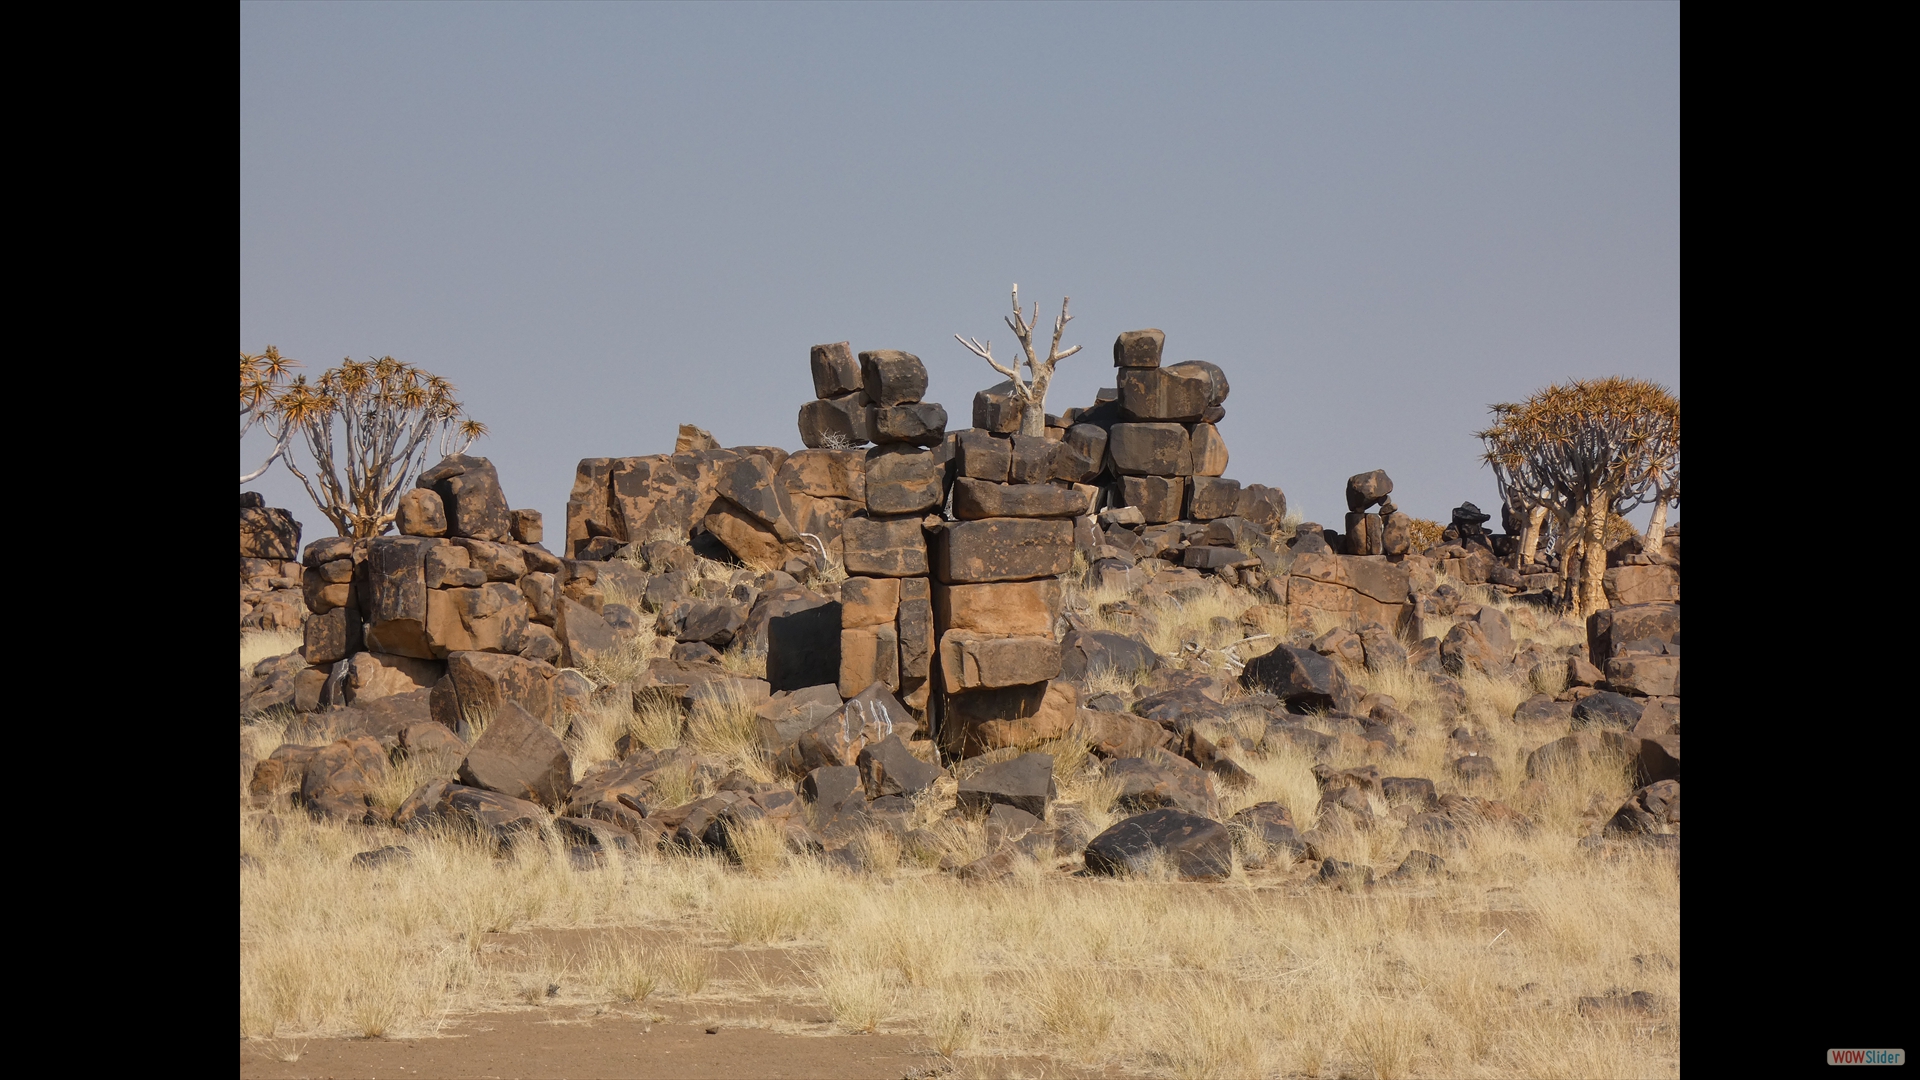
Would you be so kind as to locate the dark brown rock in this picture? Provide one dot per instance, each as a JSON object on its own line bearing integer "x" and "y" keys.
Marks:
{"x": 1138, "y": 349}
{"x": 338, "y": 779}
{"x": 1032, "y": 459}
{"x": 996, "y": 409}
{"x": 835, "y": 371}
{"x": 1198, "y": 848}
{"x": 1158, "y": 498}
{"x": 976, "y": 499}
{"x": 916, "y": 628}
{"x": 470, "y": 488}
{"x": 1090, "y": 441}
{"x": 885, "y": 547}
{"x": 902, "y": 480}
{"x": 520, "y": 757}
{"x": 1024, "y": 783}
{"x": 888, "y": 768}
{"x": 1302, "y": 678}
{"x": 333, "y": 636}
{"x": 892, "y": 377}
{"x": 842, "y": 420}
{"x": 1211, "y": 497}
{"x": 395, "y": 603}
{"x": 980, "y": 455}
{"x": 1613, "y": 630}
{"x": 1003, "y": 549}
{"x": 1176, "y": 393}
{"x": 1368, "y": 489}
{"x": 481, "y": 684}
{"x": 421, "y": 512}
{"x": 1262, "y": 505}
{"x": 268, "y": 533}
{"x": 920, "y": 424}
{"x": 1159, "y": 778}
{"x": 1149, "y": 449}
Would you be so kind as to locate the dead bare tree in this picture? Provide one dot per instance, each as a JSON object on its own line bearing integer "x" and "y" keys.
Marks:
{"x": 261, "y": 377}
{"x": 390, "y": 416}
{"x": 1031, "y": 392}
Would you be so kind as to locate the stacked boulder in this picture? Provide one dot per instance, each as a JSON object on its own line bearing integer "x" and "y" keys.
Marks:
{"x": 1366, "y": 575}
{"x": 699, "y": 488}
{"x": 997, "y": 592}
{"x": 1156, "y": 438}
{"x": 886, "y": 602}
{"x": 837, "y": 417}
{"x": 270, "y": 597}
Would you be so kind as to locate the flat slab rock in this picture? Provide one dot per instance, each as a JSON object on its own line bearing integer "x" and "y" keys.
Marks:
{"x": 1025, "y": 783}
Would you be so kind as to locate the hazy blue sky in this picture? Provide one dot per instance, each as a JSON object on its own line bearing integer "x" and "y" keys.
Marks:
{"x": 601, "y": 221}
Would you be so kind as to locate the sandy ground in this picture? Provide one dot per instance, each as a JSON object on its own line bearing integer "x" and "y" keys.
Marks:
{"x": 533, "y": 1044}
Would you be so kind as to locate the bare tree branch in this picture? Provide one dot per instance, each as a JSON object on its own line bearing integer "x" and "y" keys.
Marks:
{"x": 1030, "y": 392}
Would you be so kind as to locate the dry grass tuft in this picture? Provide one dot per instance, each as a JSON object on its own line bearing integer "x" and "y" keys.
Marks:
{"x": 627, "y": 660}
{"x": 258, "y": 645}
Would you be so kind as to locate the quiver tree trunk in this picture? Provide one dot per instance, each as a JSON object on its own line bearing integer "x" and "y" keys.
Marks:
{"x": 1593, "y": 591}
{"x": 1530, "y": 535}
{"x": 1657, "y": 528}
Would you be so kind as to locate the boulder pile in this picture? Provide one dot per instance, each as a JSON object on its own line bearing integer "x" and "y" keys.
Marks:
{"x": 937, "y": 611}
{"x": 270, "y": 597}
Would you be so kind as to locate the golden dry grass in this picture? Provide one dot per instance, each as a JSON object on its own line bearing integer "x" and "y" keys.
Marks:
{"x": 258, "y": 645}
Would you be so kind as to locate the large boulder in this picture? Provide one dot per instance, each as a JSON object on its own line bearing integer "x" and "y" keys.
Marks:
{"x": 338, "y": 779}
{"x": 902, "y": 479}
{"x": 1644, "y": 675}
{"x": 481, "y": 684}
{"x": 1634, "y": 627}
{"x": 889, "y": 768}
{"x": 268, "y": 533}
{"x": 1002, "y": 549}
{"x": 1024, "y": 783}
{"x": 892, "y": 377}
{"x": 1138, "y": 349}
{"x": 1302, "y": 678}
{"x": 835, "y": 422}
{"x": 395, "y": 601}
{"x": 920, "y": 424}
{"x": 975, "y": 499}
{"x": 372, "y": 676}
{"x": 1161, "y": 779}
{"x": 1355, "y": 589}
{"x": 1013, "y": 716}
{"x": 1198, "y": 848}
{"x": 1160, "y": 499}
{"x": 470, "y": 488}
{"x": 970, "y": 660}
{"x": 1625, "y": 585}
{"x": 1150, "y": 449}
{"x": 835, "y": 371}
{"x": 521, "y": 757}
{"x": 1084, "y": 652}
{"x": 584, "y": 636}
{"x": 892, "y": 547}
{"x": 1180, "y": 392}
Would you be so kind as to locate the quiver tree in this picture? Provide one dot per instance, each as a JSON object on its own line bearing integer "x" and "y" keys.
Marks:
{"x": 1584, "y": 452}
{"x": 1030, "y": 393}
{"x": 262, "y": 377}
{"x": 370, "y": 428}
